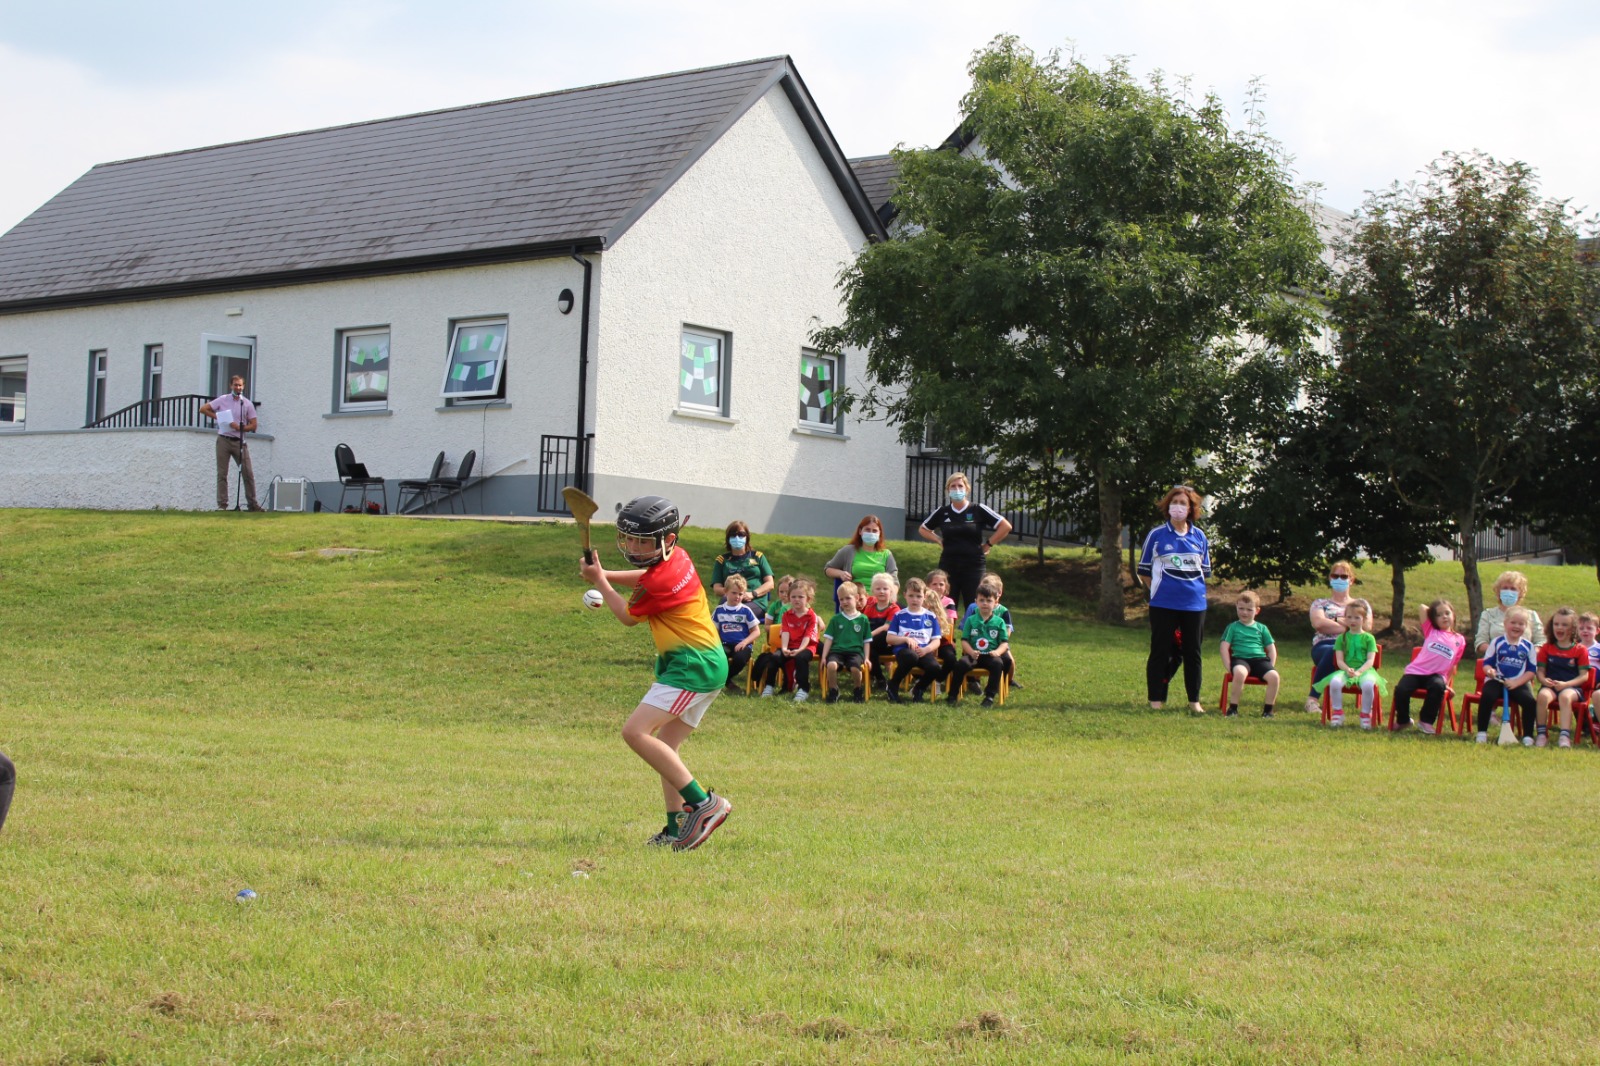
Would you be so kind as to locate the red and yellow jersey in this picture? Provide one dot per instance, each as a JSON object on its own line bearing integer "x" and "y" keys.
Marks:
{"x": 689, "y": 651}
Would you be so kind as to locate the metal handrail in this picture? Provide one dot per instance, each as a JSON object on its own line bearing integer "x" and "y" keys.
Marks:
{"x": 169, "y": 412}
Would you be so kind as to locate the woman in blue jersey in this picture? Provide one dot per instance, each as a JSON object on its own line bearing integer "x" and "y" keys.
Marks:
{"x": 1174, "y": 567}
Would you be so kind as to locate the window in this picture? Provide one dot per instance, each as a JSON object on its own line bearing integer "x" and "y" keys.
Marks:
{"x": 13, "y": 392}
{"x": 475, "y": 369}
{"x": 153, "y": 356}
{"x": 819, "y": 391}
{"x": 227, "y": 356}
{"x": 703, "y": 372}
{"x": 363, "y": 370}
{"x": 97, "y": 388}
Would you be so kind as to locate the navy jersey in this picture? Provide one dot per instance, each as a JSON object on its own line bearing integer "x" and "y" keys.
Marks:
{"x": 1177, "y": 565}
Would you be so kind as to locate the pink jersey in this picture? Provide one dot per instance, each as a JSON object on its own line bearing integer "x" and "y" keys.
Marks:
{"x": 1441, "y": 650}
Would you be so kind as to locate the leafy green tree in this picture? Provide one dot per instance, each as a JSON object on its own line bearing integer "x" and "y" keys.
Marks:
{"x": 1094, "y": 282}
{"x": 1466, "y": 325}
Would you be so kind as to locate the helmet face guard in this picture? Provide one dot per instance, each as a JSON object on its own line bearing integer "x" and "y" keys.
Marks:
{"x": 652, "y": 518}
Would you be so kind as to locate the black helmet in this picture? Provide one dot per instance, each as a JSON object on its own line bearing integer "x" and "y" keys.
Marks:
{"x": 647, "y": 516}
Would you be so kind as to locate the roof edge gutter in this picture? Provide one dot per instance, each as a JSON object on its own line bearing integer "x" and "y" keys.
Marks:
{"x": 275, "y": 279}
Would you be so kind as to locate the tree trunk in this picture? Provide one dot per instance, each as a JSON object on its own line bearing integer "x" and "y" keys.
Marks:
{"x": 1397, "y": 605}
{"x": 1283, "y": 590}
{"x": 1111, "y": 606}
{"x": 1041, "y": 542}
{"x": 1467, "y": 530}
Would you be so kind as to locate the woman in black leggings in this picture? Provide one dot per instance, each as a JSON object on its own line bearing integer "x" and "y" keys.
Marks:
{"x": 964, "y": 531}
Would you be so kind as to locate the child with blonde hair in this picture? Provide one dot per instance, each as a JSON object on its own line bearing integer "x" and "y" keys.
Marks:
{"x": 1248, "y": 650}
{"x": 880, "y": 609}
{"x": 914, "y": 633}
{"x": 1355, "y": 658}
{"x": 1509, "y": 667}
{"x": 737, "y": 623}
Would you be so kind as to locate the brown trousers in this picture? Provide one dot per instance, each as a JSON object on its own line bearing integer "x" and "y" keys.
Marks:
{"x": 232, "y": 448}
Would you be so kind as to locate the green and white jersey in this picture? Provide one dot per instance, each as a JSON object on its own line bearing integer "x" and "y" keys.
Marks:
{"x": 984, "y": 635}
{"x": 849, "y": 634}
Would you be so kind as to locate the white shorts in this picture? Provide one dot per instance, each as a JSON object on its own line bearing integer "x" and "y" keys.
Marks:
{"x": 688, "y": 706}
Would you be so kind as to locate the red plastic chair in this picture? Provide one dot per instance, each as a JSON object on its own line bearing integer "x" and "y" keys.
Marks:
{"x": 1449, "y": 700}
{"x": 1582, "y": 719}
{"x": 1227, "y": 683}
{"x": 1377, "y": 697}
{"x": 1470, "y": 701}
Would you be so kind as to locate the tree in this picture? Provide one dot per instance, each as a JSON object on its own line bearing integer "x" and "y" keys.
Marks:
{"x": 1092, "y": 283}
{"x": 1465, "y": 328}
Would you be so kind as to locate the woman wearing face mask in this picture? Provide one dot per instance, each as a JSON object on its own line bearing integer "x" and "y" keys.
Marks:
{"x": 1174, "y": 566}
{"x": 740, "y": 558}
{"x": 1327, "y": 614}
{"x": 1510, "y": 588}
{"x": 964, "y": 531}
{"x": 864, "y": 558}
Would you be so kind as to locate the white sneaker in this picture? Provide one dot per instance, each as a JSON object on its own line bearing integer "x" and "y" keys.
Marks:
{"x": 766, "y": 693}
{"x": 1564, "y": 742}
{"x": 1426, "y": 729}
{"x": 1336, "y": 720}
{"x": 1312, "y": 706}
{"x": 800, "y": 695}
{"x": 1483, "y": 738}
{"x": 1527, "y": 742}
{"x": 1366, "y": 721}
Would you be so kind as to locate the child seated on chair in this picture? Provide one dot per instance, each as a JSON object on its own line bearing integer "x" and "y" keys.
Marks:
{"x": 738, "y": 624}
{"x": 1509, "y": 667}
{"x": 797, "y": 641}
{"x": 846, "y": 642}
{"x": 939, "y": 602}
{"x": 1563, "y": 669}
{"x": 983, "y": 646}
{"x": 1248, "y": 651}
{"x": 1005, "y": 616}
{"x": 778, "y": 607}
{"x": 1430, "y": 672}
{"x": 879, "y": 610}
{"x": 914, "y": 634}
{"x": 1355, "y": 662}
{"x": 1588, "y": 628}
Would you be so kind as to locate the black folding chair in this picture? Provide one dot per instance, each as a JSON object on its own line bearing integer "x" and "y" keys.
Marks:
{"x": 451, "y": 486}
{"x": 420, "y": 490}
{"x": 353, "y": 477}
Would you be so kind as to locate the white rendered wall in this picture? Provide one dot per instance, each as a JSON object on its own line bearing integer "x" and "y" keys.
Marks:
{"x": 296, "y": 329}
{"x": 749, "y": 241}
{"x": 141, "y": 469}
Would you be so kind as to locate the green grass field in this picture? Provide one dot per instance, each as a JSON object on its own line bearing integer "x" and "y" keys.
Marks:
{"x": 409, "y": 753}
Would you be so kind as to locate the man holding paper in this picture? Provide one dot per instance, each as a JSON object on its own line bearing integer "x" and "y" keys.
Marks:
{"x": 235, "y": 417}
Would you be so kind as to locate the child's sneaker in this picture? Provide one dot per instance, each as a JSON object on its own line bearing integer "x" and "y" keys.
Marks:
{"x": 1312, "y": 706}
{"x": 1336, "y": 720}
{"x": 1231, "y": 712}
{"x": 1366, "y": 722}
{"x": 955, "y": 695}
{"x": 831, "y": 697}
{"x": 1527, "y": 742}
{"x": 661, "y": 840}
{"x": 1542, "y": 742}
{"x": 918, "y": 693}
{"x": 1266, "y": 714}
{"x": 1483, "y": 738}
{"x": 892, "y": 696}
{"x": 988, "y": 701}
{"x": 860, "y": 696}
{"x": 1426, "y": 729}
{"x": 766, "y": 693}
{"x": 1564, "y": 742}
{"x": 801, "y": 695}
{"x": 700, "y": 822}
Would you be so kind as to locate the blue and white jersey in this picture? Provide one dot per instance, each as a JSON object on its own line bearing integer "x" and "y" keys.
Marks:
{"x": 921, "y": 626}
{"x": 1509, "y": 659}
{"x": 1177, "y": 565}
{"x": 734, "y": 623}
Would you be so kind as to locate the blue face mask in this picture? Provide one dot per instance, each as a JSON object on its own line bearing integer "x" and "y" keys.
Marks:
{"x": 1508, "y": 597}
{"x": 1339, "y": 584}
{"x": 868, "y": 537}
{"x": 957, "y": 495}
{"x": 737, "y": 543}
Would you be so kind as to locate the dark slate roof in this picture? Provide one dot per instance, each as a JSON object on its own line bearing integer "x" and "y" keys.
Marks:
{"x": 514, "y": 179}
{"x": 877, "y": 174}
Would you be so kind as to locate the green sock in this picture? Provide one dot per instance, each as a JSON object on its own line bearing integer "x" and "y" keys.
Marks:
{"x": 672, "y": 822}
{"x": 692, "y": 793}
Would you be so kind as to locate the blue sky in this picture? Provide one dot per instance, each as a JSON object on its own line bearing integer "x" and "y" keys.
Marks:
{"x": 1360, "y": 100}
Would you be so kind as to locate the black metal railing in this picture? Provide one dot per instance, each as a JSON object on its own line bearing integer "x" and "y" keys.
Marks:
{"x": 560, "y": 466}
{"x": 1495, "y": 544}
{"x": 169, "y": 412}
{"x": 925, "y": 478}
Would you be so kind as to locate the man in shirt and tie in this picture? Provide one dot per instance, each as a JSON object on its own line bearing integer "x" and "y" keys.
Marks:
{"x": 235, "y": 417}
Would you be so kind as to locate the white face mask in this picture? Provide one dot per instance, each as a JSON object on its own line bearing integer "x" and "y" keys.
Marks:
{"x": 1178, "y": 511}
{"x": 868, "y": 537}
{"x": 957, "y": 495}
